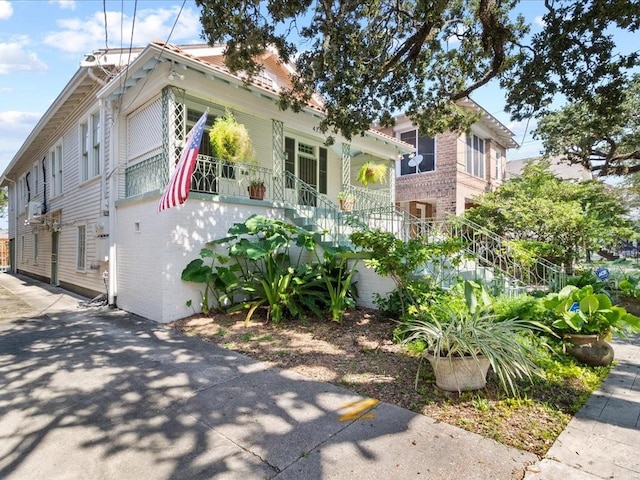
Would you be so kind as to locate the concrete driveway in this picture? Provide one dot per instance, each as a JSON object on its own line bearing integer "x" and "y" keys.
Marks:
{"x": 102, "y": 394}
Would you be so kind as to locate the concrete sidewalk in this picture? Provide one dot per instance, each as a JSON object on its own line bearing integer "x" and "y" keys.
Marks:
{"x": 102, "y": 394}
{"x": 600, "y": 441}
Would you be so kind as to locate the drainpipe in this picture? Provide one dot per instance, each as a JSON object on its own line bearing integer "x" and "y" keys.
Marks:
{"x": 95, "y": 78}
{"x": 112, "y": 178}
{"x": 14, "y": 263}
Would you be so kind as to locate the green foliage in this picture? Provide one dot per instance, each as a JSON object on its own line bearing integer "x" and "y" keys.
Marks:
{"x": 448, "y": 330}
{"x": 629, "y": 285}
{"x": 219, "y": 280}
{"x": 4, "y": 201}
{"x": 338, "y": 279}
{"x": 230, "y": 140}
{"x": 393, "y": 57}
{"x": 422, "y": 291}
{"x": 371, "y": 172}
{"x": 581, "y": 311}
{"x": 575, "y": 58}
{"x": 270, "y": 269}
{"x": 546, "y": 217}
{"x": 369, "y": 60}
{"x": 606, "y": 144}
{"x": 399, "y": 260}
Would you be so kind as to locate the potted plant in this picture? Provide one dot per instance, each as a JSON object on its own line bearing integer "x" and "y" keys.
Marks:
{"x": 256, "y": 189}
{"x": 464, "y": 339}
{"x": 347, "y": 201}
{"x": 586, "y": 320}
{"x": 371, "y": 172}
{"x": 230, "y": 140}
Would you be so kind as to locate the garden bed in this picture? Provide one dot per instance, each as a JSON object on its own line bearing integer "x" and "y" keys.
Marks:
{"x": 359, "y": 354}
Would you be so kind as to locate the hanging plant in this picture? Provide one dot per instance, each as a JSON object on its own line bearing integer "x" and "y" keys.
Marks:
{"x": 230, "y": 140}
{"x": 372, "y": 173}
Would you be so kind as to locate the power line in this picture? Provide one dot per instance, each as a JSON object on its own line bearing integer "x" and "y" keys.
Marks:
{"x": 106, "y": 34}
{"x": 157, "y": 59}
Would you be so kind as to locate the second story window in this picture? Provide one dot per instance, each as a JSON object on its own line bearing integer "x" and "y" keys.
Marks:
{"x": 424, "y": 159}
{"x": 55, "y": 157}
{"x": 90, "y": 148}
{"x": 475, "y": 156}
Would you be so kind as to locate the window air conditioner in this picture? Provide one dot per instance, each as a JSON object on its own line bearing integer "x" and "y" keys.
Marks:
{"x": 34, "y": 209}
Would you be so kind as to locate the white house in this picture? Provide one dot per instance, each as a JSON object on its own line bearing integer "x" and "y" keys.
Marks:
{"x": 84, "y": 187}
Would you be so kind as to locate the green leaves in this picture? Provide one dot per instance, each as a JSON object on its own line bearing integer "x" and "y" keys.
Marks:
{"x": 580, "y": 310}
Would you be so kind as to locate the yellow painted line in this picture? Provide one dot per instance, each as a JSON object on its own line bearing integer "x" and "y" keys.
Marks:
{"x": 358, "y": 410}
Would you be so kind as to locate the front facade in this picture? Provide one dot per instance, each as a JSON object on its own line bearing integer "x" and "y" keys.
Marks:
{"x": 444, "y": 174}
{"x": 84, "y": 188}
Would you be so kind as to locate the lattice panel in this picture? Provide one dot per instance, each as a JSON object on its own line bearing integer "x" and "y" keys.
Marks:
{"x": 279, "y": 157}
{"x": 346, "y": 165}
{"x": 144, "y": 130}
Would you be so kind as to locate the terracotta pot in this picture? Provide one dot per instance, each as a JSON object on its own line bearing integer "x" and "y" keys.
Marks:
{"x": 256, "y": 192}
{"x": 456, "y": 374}
{"x": 591, "y": 350}
{"x": 347, "y": 204}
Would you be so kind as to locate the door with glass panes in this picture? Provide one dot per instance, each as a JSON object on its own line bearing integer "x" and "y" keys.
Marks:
{"x": 309, "y": 164}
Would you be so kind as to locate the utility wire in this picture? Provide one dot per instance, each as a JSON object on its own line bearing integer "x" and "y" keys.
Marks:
{"x": 106, "y": 34}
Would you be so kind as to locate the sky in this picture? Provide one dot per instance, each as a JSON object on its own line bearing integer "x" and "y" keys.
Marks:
{"x": 43, "y": 41}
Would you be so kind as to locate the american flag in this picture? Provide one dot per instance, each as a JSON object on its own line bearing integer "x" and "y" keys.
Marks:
{"x": 177, "y": 190}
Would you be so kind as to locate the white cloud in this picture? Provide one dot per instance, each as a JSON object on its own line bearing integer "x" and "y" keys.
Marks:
{"x": 539, "y": 20}
{"x": 82, "y": 35}
{"x": 6, "y": 9}
{"x": 65, "y": 4}
{"x": 15, "y": 58}
{"x": 14, "y": 128}
{"x": 13, "y": 122}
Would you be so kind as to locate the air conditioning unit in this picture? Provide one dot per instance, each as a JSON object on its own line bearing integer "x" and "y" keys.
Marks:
{"x": 34, "y": 210}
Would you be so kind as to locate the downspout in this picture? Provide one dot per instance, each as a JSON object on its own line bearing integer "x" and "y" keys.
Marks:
{"x": 14, "y": 263}
{"x": 112, "y": 280}
{"x": 95, "y": 78}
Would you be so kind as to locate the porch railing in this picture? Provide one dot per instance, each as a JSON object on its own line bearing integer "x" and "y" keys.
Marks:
{"x": 209, "y": 176}
{"x": 218, "y": 177}
{"x": 366, "y": 199}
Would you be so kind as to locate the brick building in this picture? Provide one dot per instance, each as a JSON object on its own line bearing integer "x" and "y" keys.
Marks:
{"x": 449, "y": 171}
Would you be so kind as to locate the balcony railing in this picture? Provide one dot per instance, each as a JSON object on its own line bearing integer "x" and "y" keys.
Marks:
{"x": 233, "y": 179}
{"x": 209, "y": 176}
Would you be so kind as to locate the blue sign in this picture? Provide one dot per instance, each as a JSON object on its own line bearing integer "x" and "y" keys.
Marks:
{"x": 602, "y": 273}
{"x": 575, "y": 307}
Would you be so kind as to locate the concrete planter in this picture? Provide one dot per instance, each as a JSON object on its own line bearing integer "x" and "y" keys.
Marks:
{"x": 457, "y": 374}
{"x": 591, "y": 350}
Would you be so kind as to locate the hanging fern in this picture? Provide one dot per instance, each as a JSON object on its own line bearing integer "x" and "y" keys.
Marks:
{"x": 372, "y": 173}
{"x": 230, "y": 140}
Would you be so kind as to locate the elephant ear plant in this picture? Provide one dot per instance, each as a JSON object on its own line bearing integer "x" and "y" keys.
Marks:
{"x": 219, "y": 280}
{"x": 455, "y": 329}
{"x": 583, "y": 312}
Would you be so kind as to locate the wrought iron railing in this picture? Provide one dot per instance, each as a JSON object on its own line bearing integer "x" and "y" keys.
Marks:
{"x": 366, "y": 199}
{"x": 146, "y": 176}
{"x": 219, "y": 177}
{"x": 209, "y": 176}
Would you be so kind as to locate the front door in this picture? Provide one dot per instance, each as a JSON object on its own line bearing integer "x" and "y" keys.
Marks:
{"x": 54, "y": 258}
{"x": 308, "y": 173}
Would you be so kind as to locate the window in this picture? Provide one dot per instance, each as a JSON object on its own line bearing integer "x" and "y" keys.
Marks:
{"x": 95, "y": 143}
{"x": 82, "y": 247}
{"x": 35, "y": 180}
{"x": 22, "y": 193}
{"x": 90, "y": 148}
{"x": 424, "y": 158}
{"x": 498, "y": 165}
{"x": 35, "y": 248}
{"x": 56, "y": 170}
{"x": 84, "y": 152}
{"x": 475, "y": 156}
